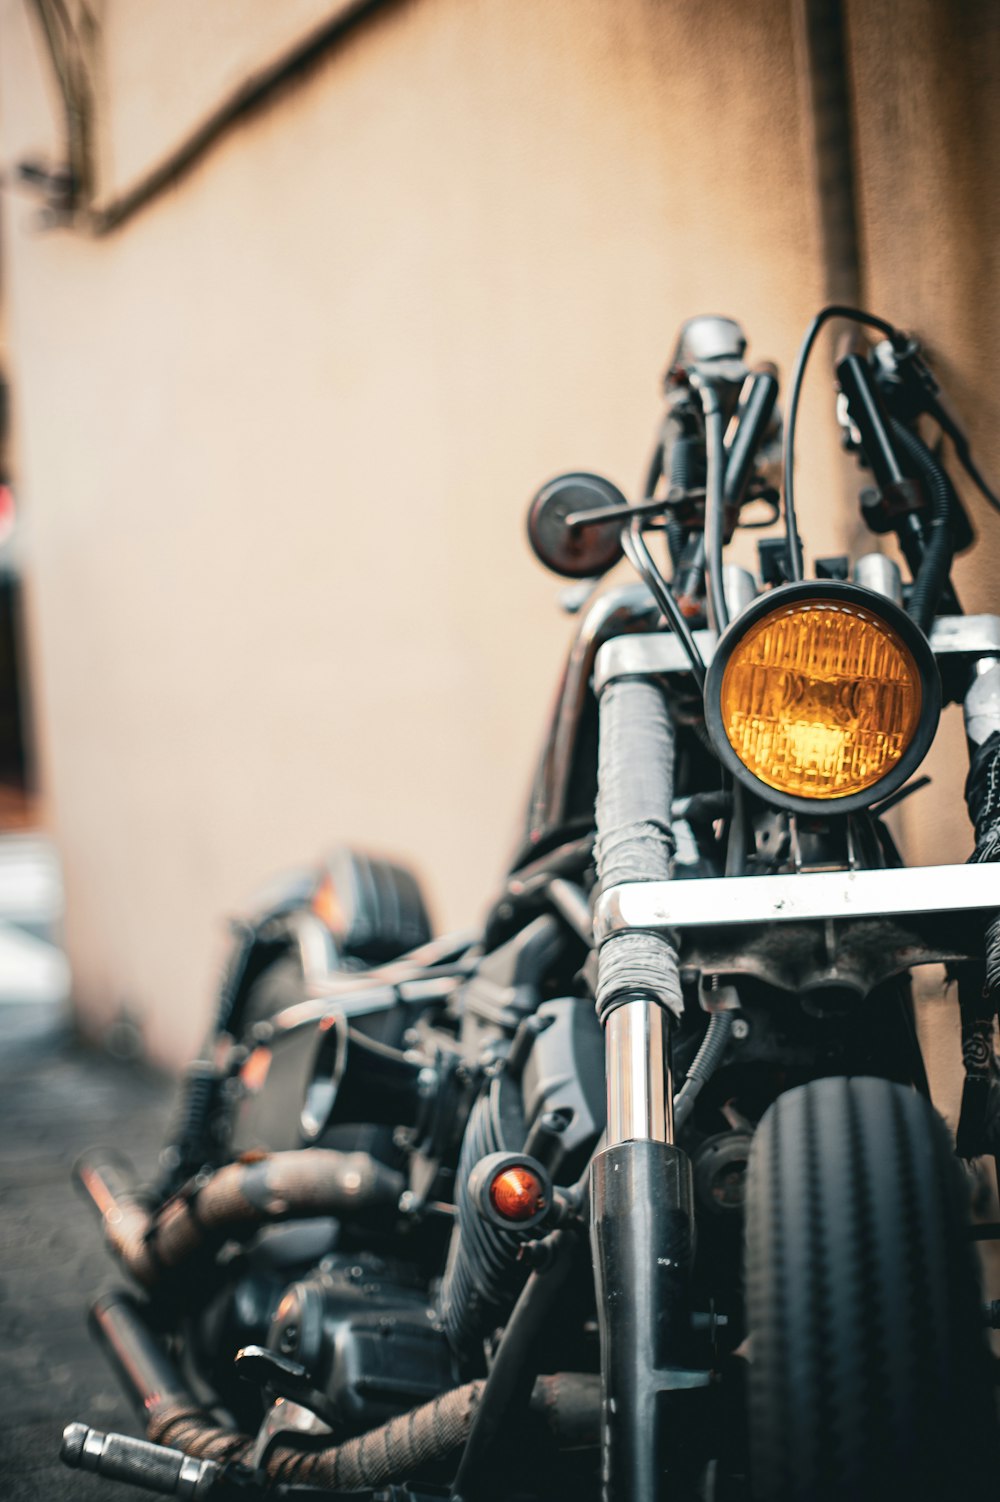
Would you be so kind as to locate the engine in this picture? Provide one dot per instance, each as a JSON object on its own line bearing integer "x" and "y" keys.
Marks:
{"x": 428, "y": 1088}
{"x": 545, "y": 1099}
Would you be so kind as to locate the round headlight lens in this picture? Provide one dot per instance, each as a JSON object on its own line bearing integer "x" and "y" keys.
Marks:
{"x": 821, "y": 698}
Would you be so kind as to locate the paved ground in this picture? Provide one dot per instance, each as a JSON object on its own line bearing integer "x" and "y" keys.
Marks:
{"x": 55, "y": 1100}
{"x": 32, "y": 965}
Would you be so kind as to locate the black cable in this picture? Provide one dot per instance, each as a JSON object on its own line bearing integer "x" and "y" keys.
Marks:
{"x": 736, "y": 844}
{"x": 884, "y": 804}
{"x": 932, "y": 575}
{"x": 764, "y": 521}
{"x": 715, "y": 500}
{"x": 832, "y": 310}
{"x": 637, "y": 553}
{"x": 676, "y": 534}
{"x": 519, "y": 1358}
{"x": 972, "y": 469}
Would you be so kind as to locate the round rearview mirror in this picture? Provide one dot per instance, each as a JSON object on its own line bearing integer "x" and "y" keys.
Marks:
{"x": 584, "y": 550}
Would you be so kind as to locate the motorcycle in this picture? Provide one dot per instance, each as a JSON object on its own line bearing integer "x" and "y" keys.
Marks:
{"x": 637, "y": 1192}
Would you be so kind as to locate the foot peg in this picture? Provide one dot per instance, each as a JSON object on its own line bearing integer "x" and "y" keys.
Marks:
{"x": 119, "y": 1457}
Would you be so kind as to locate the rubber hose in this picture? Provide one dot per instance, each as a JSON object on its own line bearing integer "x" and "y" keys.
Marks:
{"x": 704, "y": 1064}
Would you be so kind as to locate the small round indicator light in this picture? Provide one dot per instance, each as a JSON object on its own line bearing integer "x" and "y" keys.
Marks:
{"x": 517, "y": 1194}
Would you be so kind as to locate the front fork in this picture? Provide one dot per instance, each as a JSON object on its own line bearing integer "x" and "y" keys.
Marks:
{"x": 642, "y": 1220}
{"x": 642, "y": 1230}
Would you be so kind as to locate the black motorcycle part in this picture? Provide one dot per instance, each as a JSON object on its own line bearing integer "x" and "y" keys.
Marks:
{"x": 868, "y": 414}
{"x": 363, "y": 1330}
{"x": 190, "y": 1141}
{"x": 720, "y": 1173}
{"x": 506, "y": 986}
{"x": 978, "y": 1129}
{"x": 550, "y": 1104}
{"x": 982, "y": 798}
{"x": 240, "y": 1315}
{"x": 932, "y": 576}
{"x": 870, "y": 1376}
{"x": 642, "y": 1231}
{"x": 563, "y": 1087}
{"x": 512, "y": 1376}
{"x": 299, "y": 1056}
{"x": 355, "y": 1079}
{"x": 755, "y": 416}
{"x": 378, "y": 910}
{"x": 483, "y": 1277}
{"x": 373, "y": 909}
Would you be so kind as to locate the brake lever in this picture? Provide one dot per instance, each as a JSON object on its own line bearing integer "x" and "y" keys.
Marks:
{"x": 298, "y": 1407}
{"x": 289, "y": 1384}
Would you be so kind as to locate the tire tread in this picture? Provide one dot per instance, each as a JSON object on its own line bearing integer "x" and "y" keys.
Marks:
{"x": 868, "y": 1362}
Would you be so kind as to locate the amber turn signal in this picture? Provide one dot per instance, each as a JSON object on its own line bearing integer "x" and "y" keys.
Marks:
{"x": 823, "y": 692}
{"x": 517, "y": 1193}
{"x": 511, "y": 1190}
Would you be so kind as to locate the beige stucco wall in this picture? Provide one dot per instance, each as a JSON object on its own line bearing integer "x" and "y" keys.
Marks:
{"x": 280, "y": 430}
{"x": 162, "y": 69}
{"x": 926, "y": 87}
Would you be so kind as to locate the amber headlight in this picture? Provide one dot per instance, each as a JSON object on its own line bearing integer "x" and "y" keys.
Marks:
{"x": 822, "y": 693}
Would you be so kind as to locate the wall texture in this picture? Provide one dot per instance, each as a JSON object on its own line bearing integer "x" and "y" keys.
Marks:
{"x": 279, "y": 431}
{"x": 928, "y": 111}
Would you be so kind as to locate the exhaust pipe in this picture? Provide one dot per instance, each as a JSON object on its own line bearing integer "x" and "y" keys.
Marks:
{"x": 569, "y": 1402}
{"x": 233, "y": 1203}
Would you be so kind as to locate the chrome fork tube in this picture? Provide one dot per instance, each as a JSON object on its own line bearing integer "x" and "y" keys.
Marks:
{"x": 640, "y": 1087}
{"x": 641, "y": 1198}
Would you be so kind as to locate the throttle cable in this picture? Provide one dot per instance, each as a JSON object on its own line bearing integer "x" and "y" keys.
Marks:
{"x": 832, "y": 310}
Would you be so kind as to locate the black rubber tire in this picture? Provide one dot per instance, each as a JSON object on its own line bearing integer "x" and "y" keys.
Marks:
{"x": 869, "y": 1373}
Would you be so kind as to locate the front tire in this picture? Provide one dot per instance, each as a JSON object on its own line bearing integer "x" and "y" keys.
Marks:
{"x": 869, "y": 1374}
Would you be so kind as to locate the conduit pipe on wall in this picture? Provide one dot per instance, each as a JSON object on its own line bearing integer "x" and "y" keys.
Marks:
{"x": 823, "y": 44}
{"x": 253, "y": 93}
